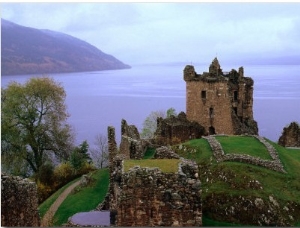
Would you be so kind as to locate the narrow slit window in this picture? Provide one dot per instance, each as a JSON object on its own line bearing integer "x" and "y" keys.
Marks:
{"x": 235, "y": 110}
{"x": 235, "y": 95}
{"x": 203, "y": 94}
{"x": 211, "y": 112}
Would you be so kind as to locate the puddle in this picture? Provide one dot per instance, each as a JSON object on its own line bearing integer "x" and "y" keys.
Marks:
{"x": 92, "y": 218}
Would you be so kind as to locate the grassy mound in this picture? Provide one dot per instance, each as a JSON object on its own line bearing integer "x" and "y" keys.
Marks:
{"x": 235, "y": 179}
{"x": 84, "y": 198}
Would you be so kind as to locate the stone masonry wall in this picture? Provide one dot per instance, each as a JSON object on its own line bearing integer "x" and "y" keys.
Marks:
{"x": 19, "y": 202}
{"x": 149, "y": 197}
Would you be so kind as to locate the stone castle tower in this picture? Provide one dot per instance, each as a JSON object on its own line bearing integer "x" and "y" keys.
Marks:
{"x": 221, "y": 102}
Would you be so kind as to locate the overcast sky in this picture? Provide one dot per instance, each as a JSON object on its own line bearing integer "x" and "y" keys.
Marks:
{"x": 137, "y": 33}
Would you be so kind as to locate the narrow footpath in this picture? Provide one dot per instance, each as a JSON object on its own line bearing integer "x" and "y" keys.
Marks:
{"x": 48, "y": 217}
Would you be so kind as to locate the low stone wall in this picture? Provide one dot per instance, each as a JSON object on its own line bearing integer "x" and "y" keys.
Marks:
{"x": 19, "y": 202}
{"x": 149, "y": 197}
{"x": 220, "y": 156}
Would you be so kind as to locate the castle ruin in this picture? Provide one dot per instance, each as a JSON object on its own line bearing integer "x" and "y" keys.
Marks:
{"x": 220, "y": 101}
{"x": 147, "y": 196}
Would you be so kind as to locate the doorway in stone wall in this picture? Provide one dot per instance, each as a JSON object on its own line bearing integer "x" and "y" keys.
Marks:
{"x": 211, "y": 130}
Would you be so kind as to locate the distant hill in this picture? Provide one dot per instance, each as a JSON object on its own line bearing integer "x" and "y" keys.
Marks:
{"x": 27, "y": 50}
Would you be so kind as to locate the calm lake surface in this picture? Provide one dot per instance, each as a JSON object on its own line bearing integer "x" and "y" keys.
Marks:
{"x": 96, "y": 100}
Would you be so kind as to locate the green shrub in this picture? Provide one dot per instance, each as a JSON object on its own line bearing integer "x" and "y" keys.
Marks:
{"x": 43, "y": 191}
{"x": 46, "y": 174}
{"x": 86, "y": 168}
{"x": 64, "y": 173}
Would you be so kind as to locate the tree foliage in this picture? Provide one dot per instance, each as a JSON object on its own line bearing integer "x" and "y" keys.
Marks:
{"x": 150, "y": 123}
{"x": 80, "y": 155}
{"x": 99, "y": 153}
{"x": 33, "y": 122}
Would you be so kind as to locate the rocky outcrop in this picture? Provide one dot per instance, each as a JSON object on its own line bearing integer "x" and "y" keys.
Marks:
{"x": 174, "y": 130}
{"x": 290, "y": 136}
{"x": 19, "y": 202}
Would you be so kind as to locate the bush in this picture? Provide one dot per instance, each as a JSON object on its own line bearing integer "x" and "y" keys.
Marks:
{"x": 43, "y": 191}
{"x": 63, "y": 173}
{"x": 45, "y": 175}
{"x": 86, "y": 168}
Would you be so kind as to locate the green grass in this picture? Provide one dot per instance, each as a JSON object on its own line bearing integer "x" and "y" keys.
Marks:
{"x": 149, "y": 153}
{"x": 209, "y": 222}
{"x": 244, "y": 145}
{"x": 84, "y": 199}
{"x": 165, "y": 165}
{"x": 203, "y": 151}
{"x": 44, "y": 207}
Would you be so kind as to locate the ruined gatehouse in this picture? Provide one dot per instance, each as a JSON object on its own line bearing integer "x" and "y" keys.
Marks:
{"x": 220, "y": 101}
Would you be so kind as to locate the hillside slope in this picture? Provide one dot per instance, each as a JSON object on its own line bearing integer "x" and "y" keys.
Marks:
{"x": 243, "y": 193}
{"x": 27, "y": 50}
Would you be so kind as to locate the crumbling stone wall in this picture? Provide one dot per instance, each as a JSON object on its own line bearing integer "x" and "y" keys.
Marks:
{"x": 174, "y": 130}
{"x": 149, "y": 197}
{"x": 19, "y": 202}
{"x": 221, "y": 102}
{"x": 132, "y": 146}
{"x": 164, "y": 152}
{"x": 290, "y": 136}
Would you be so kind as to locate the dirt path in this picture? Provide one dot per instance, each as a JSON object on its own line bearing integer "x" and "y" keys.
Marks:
{"x": 47, "y": 219}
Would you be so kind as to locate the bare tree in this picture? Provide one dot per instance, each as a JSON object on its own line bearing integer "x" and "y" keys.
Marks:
{"x": 99, "y": 153}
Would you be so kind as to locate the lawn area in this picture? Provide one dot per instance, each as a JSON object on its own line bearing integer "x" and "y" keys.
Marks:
{"x": 165, "y": 165}
{"x": 84, "y": 199}
{"x": 44, "y": 207}
{"x": 244, "y": 145}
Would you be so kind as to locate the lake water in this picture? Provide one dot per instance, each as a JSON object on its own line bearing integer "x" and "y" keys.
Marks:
{"x": 96, "y": 100}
